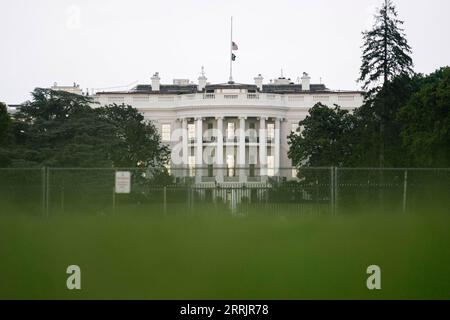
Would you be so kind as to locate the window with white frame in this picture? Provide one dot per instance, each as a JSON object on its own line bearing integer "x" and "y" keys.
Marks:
{"x": 252, "y": 132}
{"x": 230, "y": 130}
{"x": 165, "y": 132}
{"x": 191, "y": 131}
{"x": 271, "y": 131}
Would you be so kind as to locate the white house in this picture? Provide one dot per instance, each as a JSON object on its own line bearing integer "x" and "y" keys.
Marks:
{"x": 230, "y": 132}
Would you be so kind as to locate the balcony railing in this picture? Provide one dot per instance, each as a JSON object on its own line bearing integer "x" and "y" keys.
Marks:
{"x": 235, "y": 139}
{"x": 209, "y": 96}
{"x": 208, "y": 99}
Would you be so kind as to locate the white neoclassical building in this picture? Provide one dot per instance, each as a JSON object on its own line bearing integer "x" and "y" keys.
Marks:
{"x": 229, "y": 133}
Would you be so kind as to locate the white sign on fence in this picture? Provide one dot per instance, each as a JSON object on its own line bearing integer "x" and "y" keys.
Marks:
{"x": 123, "y": 182}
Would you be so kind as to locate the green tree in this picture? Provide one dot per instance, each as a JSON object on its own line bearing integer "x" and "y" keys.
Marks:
{"x": 5, "y": 121}
{"x": 366, "y": 149}
{"x": 426, "y": 121}
{"x": 325, "y": 140}
{"x": 5, "y": 124}
{"x": 138, "y": 141}
{"x": 58, "y": 128}
{"x": 386, "y": 55}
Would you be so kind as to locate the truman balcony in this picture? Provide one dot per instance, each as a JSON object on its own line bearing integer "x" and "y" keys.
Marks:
{"x": 227, "y": 99}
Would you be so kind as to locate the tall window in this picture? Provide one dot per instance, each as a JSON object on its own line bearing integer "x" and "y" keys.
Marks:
{"x": 165, "y": 132}
{"x": 230, "y": 130}
{"x": 271, "y": 131}
{"x": 252, "y": 132}
{"x": 210, "y": 132}
{"x": 191, "y": 131}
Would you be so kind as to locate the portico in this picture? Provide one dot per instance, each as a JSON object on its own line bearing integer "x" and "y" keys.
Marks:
{"x": 233, "y": 144}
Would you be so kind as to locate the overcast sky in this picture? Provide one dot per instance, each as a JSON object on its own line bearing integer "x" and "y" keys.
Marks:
{"x": 111, "y": 43}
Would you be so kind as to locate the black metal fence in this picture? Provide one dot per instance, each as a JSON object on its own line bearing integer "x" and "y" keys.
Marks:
{"x": 247, "y": 191}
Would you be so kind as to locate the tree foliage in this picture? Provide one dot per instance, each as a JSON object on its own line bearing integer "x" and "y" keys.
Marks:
{"x": 5, "y": 124}
{"x": 417, "y": 128}
{"x": 325, "y": 139}
{"x": 426, "y": 121}
{"x": 138, "y": 142}
{"x": 386, "y": 53}
{"x": 60, "y": 129}
{"x": 386, "y": 56}
{"x": 366, "y": 152}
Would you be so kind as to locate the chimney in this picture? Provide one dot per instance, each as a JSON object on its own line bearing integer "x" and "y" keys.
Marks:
{"x": 259, "y": 81}
{"x": 155, "y": 81}
{"x": 306, "y": 82}
{"x": 202, "y": 80}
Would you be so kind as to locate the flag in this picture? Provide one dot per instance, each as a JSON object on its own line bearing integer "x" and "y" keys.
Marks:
{"x": 234, "y": 45}
{"x": 233, "y": 57}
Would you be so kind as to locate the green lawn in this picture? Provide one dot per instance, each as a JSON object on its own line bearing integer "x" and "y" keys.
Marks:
{"x": 219, "y": 256}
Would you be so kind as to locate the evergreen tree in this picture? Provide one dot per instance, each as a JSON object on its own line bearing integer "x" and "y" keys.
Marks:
{"x": 386, "y": 55}
{"x": 5, "y": 124}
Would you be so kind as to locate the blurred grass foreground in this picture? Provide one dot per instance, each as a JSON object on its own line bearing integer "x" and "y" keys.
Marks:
{"x": 285, "y": 247}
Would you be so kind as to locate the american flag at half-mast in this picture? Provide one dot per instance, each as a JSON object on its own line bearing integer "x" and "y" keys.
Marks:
{"x": 234, "y": 46}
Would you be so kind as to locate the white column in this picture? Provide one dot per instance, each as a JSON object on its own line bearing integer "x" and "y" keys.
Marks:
{"x": 199, "y": 149}
{"x": 263, "y": 146}
{"x": 184, "y": 142}
{"x": 277, "y": 145}
{"x": 241, "y": 163}
{"x": 219, "y": 150}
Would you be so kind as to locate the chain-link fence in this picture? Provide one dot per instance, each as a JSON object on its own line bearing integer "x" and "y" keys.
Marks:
{"x": 249, "y": 191}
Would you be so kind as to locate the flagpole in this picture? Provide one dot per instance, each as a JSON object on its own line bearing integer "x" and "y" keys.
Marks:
{"x": 231, "y": 52}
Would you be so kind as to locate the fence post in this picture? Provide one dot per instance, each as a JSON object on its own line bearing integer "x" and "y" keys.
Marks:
{"x": 62, "y": 200}
{"x": 188, "y": 198}
{"x": 47, "y": 192}
{"x": 44, "y": 191}
{"x": 405, "y": 186}
{"x": 114, "y": 200}
{"x": 336, "y": 193}
{"x": 165, "y": 199}
{"x": 114, "y": 192}
{"x": 332, "y": 190}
